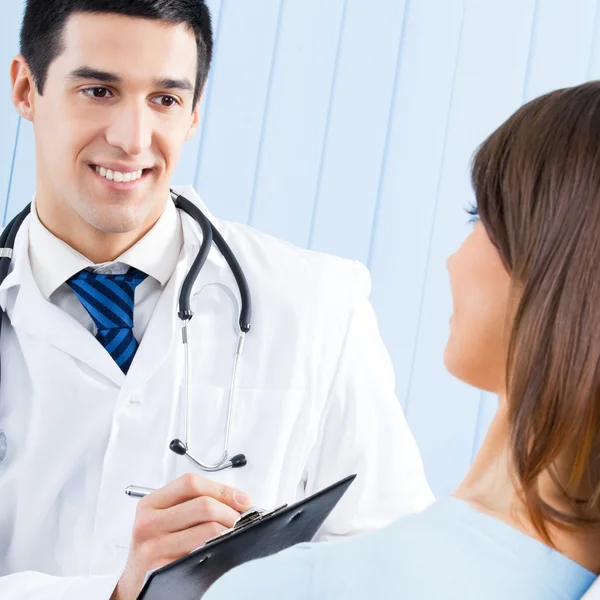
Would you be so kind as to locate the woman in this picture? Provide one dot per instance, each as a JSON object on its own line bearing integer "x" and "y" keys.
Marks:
{"x": 524, "y": 523}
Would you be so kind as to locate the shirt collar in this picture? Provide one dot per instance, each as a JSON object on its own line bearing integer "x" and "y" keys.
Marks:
{"x": 53, "y": 261}
{"x": 192, "y": 233}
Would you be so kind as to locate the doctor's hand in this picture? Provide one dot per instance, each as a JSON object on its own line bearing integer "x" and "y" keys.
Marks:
{"x": 174, "y": 520}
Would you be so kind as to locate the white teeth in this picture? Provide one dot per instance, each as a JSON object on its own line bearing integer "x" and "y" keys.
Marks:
{"x": 118, "y": 176}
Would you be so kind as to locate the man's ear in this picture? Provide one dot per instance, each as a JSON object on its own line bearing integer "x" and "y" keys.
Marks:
{"x": 195, "y": 122}
{"x": 23, "y": 87}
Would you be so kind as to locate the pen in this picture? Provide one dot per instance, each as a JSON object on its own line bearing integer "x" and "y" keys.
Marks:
{"x": 137, "y": 492}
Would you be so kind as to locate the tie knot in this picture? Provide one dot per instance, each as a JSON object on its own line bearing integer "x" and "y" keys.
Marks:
{"x": 132, "y": 278}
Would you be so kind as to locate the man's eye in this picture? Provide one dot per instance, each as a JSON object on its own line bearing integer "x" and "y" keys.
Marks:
{"x": 98, "y": 92}
{"x": 166, "y": 101}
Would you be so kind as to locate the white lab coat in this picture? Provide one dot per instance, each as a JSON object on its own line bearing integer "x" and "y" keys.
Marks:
{"x": 315, "y": 403}
{"x": 594, "y": 592}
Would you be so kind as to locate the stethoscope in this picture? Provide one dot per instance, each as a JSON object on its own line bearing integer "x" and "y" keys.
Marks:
{"x": 210, "y": 235}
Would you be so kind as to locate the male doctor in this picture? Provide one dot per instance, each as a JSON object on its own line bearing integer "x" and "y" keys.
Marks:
{"x": 92, "y": 359}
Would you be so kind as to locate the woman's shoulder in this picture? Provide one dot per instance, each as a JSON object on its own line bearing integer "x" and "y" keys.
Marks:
{"x": 449, "y": 551}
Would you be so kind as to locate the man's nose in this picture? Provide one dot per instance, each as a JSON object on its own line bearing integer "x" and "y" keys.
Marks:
{"x": 131, "y": 129}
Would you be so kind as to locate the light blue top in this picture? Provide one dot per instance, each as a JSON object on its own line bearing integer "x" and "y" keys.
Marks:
{"x": 449, "y": 551}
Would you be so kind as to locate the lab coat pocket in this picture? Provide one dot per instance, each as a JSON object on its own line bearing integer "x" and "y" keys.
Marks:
{"x": 270, "y": 427}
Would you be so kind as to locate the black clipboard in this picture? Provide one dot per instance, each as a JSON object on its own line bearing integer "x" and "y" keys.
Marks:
{"x": 256, "y": 534}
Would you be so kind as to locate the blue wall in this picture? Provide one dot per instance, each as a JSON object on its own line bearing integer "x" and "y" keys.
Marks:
{"x": 347, "y": 126}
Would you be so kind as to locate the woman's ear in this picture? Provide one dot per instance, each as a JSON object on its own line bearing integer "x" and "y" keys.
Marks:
{"x": 23, "y": 87}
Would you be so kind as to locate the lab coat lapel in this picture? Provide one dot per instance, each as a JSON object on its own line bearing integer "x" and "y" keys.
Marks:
{"x": 158, "y": 339}
{"x": 33, "y": 314}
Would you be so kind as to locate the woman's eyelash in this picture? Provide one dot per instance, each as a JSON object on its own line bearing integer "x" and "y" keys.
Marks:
{"x": 472, "y": 212}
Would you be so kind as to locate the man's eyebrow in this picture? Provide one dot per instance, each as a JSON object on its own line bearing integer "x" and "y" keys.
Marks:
{"x": 89, "y": 73}
{"x": 184, "y": 85}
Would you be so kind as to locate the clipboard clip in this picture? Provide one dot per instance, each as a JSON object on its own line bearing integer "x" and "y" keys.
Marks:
{"x": 252, "y": 515}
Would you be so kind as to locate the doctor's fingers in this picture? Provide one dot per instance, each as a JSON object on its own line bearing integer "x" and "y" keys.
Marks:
{"x": 195, "y": 512}
{"x": 162, "y": 550}
{"x": 190, "y": 486}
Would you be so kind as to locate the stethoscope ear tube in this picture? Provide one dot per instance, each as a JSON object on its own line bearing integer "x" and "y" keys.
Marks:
{"x": 185, "y": 297}
{"x": 7, "y": 241}
{"x": 236, "y": 269}
{"x": 7, "y": 244}
{"x": 210, "y": 234}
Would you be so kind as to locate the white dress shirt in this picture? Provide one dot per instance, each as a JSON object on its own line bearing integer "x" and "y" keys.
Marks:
{"x": 53, "y": 262}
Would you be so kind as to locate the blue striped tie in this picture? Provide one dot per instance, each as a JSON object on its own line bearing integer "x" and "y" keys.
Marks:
{"x": 109, "y": 300}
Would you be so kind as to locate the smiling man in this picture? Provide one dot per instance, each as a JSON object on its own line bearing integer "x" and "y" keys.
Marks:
{"x": 93, "y": 377}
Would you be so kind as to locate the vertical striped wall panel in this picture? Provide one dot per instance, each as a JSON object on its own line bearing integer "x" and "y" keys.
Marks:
{"x": 348, "y": 127}
{"x": 487, "y": 84}
{"x": 9, "y": 122}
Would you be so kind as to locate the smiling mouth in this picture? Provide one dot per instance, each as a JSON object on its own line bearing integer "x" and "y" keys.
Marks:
{"x": 118, "y": 176}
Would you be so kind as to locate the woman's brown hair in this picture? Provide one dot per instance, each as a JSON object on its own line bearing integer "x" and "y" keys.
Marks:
{"x": 537, "y": 186}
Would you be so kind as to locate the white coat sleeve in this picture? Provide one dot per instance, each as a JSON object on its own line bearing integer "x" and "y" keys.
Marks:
{"x": 30, "y": 585}
{"x": 363, "y": 430}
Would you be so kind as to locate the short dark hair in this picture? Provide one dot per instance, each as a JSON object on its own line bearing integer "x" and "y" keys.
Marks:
{"x": 44, "y": 22}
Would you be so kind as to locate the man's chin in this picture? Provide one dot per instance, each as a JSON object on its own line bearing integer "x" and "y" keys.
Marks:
{"x": 117, "y": 219}
{"x": 120, "y": 213}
